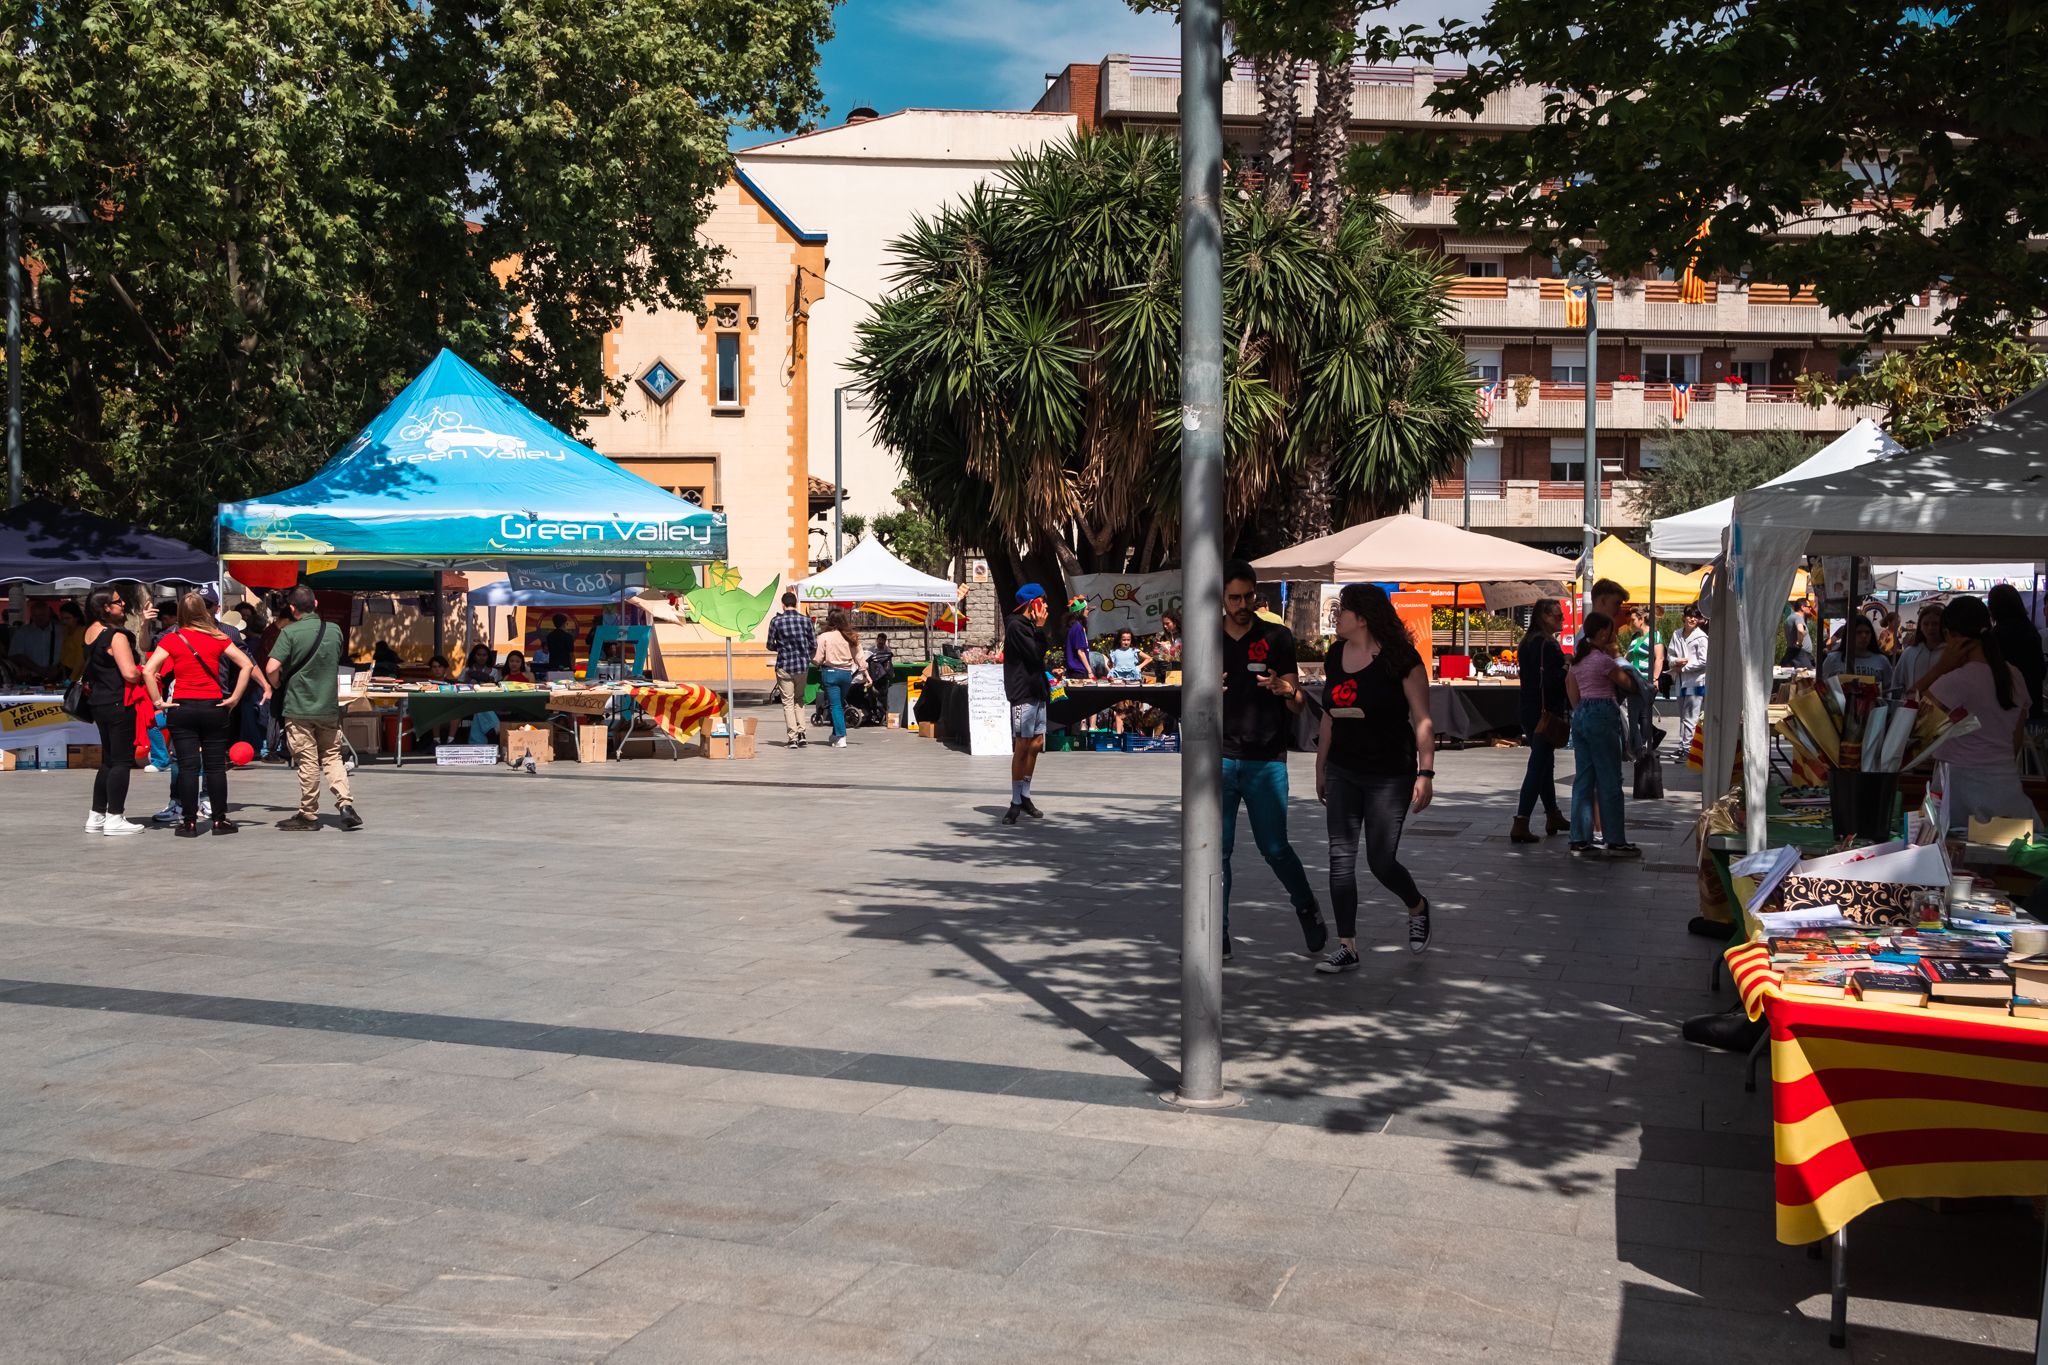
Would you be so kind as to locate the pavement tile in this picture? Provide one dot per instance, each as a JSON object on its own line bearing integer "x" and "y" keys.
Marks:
{"x": 619, "y": 1111}
{"x": 922, "y": 1231}
{"x": 1164, "y": 1127}
{"x": 739, "y": 1275}
{"x": 726, "y": 1212}
{"x": 303, "y": 1116}
{"x": 515, "y": 1314}
{"x": 990, "y": 1111}
{"x": 465, "y": 1239}
{"x": 1095, "y": 1205}
{"x": 716, "y": 1334}
{"x": 1291, "y": 1184}
{"x": 88, "y": 1254}
{"x": 833, "y": 1133}
{"x": 834, "y": 1179}
{"x": 799, "y": 1092}
{"x": 61, "y": 1326}
{"x": 1076, "y": 1158}
{"x": 1053, "y": 1318}
{"x": 462, "y": 1059}
{"x": 287, "y": 1287}
{"x": 1159, "y": 1267}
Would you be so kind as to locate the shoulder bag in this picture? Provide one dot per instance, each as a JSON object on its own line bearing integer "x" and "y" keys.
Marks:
{"x": 286, "y": 674}
{"x": 77, "y": 701}
{"x": 1551, "y": 726}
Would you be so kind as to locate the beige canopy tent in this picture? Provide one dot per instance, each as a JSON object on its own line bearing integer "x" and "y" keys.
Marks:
{"x": 1412, "y": 549}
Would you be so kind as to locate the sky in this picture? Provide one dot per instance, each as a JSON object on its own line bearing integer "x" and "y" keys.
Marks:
{"x": 995, "y": 54}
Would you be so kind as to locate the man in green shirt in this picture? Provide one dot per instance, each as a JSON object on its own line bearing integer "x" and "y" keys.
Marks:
{"x": 303, "y": 671}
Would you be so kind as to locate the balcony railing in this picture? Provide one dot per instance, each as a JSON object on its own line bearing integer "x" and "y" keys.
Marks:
{"x": 1479, "y": 287}
{"x": 1362, "y": 73}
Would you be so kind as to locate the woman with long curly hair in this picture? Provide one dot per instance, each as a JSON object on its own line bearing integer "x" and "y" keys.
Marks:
{"x": 1375, "y": 761}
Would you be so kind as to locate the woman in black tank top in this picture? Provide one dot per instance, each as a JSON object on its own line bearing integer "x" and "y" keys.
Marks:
{"x": 1374, "y": 761}
{"x": 109, "y": 671}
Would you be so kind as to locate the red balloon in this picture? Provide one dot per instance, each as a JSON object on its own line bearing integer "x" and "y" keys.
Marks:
{"x": 241, "y": 753}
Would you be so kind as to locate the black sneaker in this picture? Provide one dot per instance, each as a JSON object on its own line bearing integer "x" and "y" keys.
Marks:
{"x": 1418, "y": 930}
{"x": 349, "y": 818}
{"x": 298, "y": 823}
{"x": 1585, "y": 850}
{"x": 226, "y": 827}
{"x": 1338, "y": 959}
{"x": 188, "y": 830}
{"x": 1623, "y": 851}
{"x": 1010, "y": 815}
{"x": 1031, "y": 810}
{"x": 1314, "y": 932}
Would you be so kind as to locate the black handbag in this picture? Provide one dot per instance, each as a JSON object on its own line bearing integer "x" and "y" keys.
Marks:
{"x": 77, "y": 701}
{"x": 1649, "y": 776}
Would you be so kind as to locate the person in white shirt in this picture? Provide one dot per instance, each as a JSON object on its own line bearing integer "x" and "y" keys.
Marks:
{"x": 1915, "y": 659}
{"x": 1688, "y": 656}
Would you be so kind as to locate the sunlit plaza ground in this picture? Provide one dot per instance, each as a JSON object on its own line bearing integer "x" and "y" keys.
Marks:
{"x": 805, "y": 1059}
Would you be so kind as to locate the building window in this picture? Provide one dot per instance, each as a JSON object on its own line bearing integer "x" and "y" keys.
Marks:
{"x": 1567, "y": 364}
{"x": 1651, "y": 456}
{"x": 1671, "y": 367}
{"x": 1482, "y": 364}
{"x": 1751, "y": 372}
{"x": 728, "y": 350}
{"x": 1483, "y": 270}
{"x": 660, "y": 382}
{"x": 1567, "y": 461}
{"x": 1483, "y": 469}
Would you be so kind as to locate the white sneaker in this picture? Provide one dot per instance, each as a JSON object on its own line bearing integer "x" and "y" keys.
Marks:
{"x": 120, "y": 824}
{"x": 95, "y": 822}
{"x": 169, "y": 815}
{"x": 206, "y": 808}
{"x": 839, "y": 743}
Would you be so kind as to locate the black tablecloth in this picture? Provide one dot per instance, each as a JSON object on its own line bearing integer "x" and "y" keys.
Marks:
{"x": 944, "y": 703}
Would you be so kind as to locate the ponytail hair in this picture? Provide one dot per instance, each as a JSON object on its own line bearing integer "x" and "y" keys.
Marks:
{"x": 1968, "y": 617}
{"x": 1594, "y": 624}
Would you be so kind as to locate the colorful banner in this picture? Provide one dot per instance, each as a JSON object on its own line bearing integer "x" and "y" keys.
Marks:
{"x": 1132, "y": 602}
{"x": 35, "y": 722}
{"x": 678, "y": 707}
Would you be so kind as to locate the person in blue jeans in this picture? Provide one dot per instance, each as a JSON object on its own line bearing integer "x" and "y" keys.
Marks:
{"x": 1596, "y": 684}
{"x": 1261, "y": 697}
{"x": 838, "y": 655}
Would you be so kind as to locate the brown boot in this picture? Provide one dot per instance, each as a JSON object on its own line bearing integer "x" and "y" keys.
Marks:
{"x": 1557, "y": 824}
{"x": 1518, "y": 832}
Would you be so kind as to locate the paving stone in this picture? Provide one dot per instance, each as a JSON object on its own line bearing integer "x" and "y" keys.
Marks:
{"x": 714, "y": 1334}
{"x": 836, "y": 1134}
{"x": 1170, "y": 1269}
{"x": 46, "y": 1323}
{"x": 464, "y": 1239}
{"x": 1293, "y": 1184}
{"x": 284, "y": 1287}
{"x": 729, "y": 1213}
{"x": 300, "y": 1116}
{"x": 1100, "y": 1206}
{"x": 704, "y": 1270}
{"x": 1002, "y": 1149}
{"x": 88, "y": 1254}
{"x": 992, "y": 1111}
{"x": 922, "y": 1231}
{"x": 514, "y": 1314}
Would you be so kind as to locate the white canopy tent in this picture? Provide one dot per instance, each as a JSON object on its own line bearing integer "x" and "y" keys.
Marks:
{"x": 869, "y": 573}
{"x": 1980, "y": 496}
{"x": 1695, "y": 537}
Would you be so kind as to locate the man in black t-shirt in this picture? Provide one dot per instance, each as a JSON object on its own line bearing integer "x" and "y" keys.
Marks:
{"x": 1261, "y": 697}
{"x": 1029, "y": 694}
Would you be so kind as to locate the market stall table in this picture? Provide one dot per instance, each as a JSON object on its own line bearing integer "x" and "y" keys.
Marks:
{"x": 673, "y": 708}
{"x": 1874, "y": 1102}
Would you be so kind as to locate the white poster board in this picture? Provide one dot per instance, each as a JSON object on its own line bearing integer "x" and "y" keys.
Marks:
{"x": 1130, "y": 602}
{"x": 988, "y": 711}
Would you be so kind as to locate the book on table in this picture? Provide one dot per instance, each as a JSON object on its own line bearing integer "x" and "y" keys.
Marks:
{"x": 1891, "y": 988}
{"x": 1964, "y": 982}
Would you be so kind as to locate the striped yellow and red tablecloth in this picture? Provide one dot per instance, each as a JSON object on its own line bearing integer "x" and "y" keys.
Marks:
{"x": 1872, "y": 1102}
{"x": 677, "y": 707}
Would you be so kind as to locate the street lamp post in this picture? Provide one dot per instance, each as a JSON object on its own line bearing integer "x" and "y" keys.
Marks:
{"x": 1587, "y": 276}
{"x": 838, "y": 471}
{"x": 1201, "y": 517}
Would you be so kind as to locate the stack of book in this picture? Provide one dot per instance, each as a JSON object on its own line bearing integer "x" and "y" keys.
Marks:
{"x": 1942, "y": 969}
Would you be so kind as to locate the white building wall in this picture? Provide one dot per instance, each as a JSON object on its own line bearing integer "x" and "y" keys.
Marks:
{"x": 862, "y": 185}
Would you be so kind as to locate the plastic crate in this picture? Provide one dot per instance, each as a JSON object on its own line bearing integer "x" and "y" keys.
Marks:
{"x": 1152, "y": 744}
{"x": 1105, "y": 741}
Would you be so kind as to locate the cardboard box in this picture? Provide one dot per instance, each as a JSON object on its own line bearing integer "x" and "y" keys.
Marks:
{"x": 11, "y": 759}
{"x": 529, "y": 741}
{"x": 895, "y": 721}
{"x": 927, "y": 730}
{"x": 591, "y": 743}
{"x": 363, "y": 734}
{"x": 82, "y": 756}
{"x": 720, "y": 746}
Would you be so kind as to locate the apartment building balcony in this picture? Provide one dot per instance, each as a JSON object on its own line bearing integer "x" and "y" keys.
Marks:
{"x": 1542, "y": 405}
{"x": 1652, "y": 307}
{"x": 1514, "y": 507}
{"x": 1147, "y": 90}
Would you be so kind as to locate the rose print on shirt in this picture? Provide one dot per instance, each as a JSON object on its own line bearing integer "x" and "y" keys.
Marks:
{"x": 1344, "y": 693}
{"x": 1256, "y": 651}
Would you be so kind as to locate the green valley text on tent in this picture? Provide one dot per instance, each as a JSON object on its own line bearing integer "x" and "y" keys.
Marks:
{"x": 457, "y": 473}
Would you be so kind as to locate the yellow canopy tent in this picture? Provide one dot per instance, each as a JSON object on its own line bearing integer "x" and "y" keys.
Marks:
{"x": 1613, "y": 558}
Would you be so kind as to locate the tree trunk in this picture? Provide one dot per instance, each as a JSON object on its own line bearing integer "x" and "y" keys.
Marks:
{"x": 1279, "y": 107}
{"x": 1328, "y": 136}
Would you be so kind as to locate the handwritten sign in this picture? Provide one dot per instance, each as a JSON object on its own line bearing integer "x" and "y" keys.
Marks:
{"x": 988, "y": 711}
{"x": 1132, "y": 602}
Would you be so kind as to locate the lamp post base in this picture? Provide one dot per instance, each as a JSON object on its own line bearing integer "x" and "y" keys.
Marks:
{"x": 1226, "y": 1100}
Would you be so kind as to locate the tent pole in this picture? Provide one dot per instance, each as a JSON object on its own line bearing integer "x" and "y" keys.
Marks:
{"x": 732, "y": 720}
{"x": 1652, "y": 655}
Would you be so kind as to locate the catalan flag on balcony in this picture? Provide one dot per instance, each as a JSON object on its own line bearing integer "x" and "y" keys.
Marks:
{"x": 1681, "y": 401}
{"x": 1487, "y": 393}
{"x": 1575, "y": 305}
{"x": 1691, "y": 288}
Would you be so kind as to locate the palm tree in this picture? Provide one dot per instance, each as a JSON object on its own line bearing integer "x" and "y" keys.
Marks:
{"x": 1026, "y": 363}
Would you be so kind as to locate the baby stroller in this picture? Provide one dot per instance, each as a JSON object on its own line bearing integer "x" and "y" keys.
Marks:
{"x": 865, "y": 705}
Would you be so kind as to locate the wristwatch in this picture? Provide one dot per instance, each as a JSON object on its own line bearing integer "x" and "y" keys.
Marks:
{"x": 1425, "y": 772}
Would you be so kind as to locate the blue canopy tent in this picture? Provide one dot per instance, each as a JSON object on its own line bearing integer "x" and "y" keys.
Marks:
{"x": 456, "y": 474}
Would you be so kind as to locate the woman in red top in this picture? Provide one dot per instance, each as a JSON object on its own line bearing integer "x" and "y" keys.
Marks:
{"x": 201, "y": 713}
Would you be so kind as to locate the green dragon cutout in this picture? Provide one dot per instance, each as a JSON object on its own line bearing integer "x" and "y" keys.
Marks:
{"x": 723, "y": 608}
